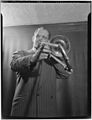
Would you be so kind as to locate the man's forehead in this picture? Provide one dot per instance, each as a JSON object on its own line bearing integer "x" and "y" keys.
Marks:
{"x": 43, "y": 32}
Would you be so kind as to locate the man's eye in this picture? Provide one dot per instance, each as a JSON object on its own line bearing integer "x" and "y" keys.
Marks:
{"x": 37, "y": 36}
{"x": 44, "y": 37}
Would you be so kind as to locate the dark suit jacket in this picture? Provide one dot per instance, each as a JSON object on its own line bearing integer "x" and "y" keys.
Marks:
{"x": 35, "y": 94}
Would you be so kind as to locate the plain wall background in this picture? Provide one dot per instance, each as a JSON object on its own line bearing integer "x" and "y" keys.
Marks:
{"x": 43, "y": 13}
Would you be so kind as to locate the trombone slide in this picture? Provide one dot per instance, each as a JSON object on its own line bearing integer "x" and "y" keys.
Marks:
{"x": 50, "y": 44}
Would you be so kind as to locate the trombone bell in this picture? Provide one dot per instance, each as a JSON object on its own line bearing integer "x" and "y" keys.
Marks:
{"x": 63, "y": 41}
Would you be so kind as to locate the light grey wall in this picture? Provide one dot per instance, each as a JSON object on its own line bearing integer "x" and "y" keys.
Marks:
{"x": 43, "y": 13}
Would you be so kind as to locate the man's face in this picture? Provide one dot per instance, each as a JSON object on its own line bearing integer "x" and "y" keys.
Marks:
{"x": 41, "y": 36}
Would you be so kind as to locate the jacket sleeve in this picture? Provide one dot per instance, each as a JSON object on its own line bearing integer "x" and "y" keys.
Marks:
{"x": 21, "y": 62}
{"x": 61, "y": 73}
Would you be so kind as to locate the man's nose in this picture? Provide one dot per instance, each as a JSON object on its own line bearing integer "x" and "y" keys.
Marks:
{"x": 41, "y": 38}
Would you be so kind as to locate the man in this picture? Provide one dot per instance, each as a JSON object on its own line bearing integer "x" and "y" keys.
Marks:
{"x": 37, "y": 74}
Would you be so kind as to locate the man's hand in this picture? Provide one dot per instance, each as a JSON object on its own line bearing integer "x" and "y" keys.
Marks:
{"x": 45, "y": 53}
{"x": 48, "y": 51}
{"x": 37, "y": 53}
